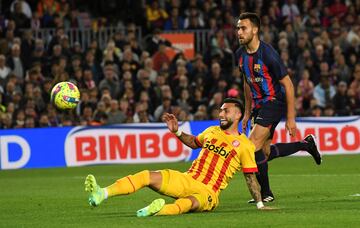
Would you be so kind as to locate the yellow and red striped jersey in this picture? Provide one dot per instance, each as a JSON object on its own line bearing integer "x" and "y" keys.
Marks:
{"x": 221, "y": 156}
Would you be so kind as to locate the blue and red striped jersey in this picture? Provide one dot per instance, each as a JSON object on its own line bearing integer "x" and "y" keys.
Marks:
{"x": 263, "y": 70}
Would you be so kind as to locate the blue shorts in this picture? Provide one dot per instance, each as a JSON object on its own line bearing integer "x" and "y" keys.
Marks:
{"x": 269, "y": 115}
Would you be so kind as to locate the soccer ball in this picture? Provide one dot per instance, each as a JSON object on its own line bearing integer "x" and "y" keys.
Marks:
{"x": 65, "y": 95}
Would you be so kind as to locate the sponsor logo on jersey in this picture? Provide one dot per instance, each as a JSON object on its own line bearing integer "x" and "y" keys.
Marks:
{"x": 257, "y": 79}
{"x": 216, "y": 149}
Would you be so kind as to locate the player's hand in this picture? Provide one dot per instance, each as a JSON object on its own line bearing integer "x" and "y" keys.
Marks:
{"x": 291, "y": 127}
{"x": 267, "y": 208}
{"x": 171, "y": 121}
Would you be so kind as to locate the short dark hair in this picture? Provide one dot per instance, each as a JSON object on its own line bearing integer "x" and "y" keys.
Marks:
{"x": 253, "y": 17}
{"x": 238, "y": 103}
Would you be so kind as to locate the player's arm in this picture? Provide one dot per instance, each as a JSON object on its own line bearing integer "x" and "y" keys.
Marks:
{"x": 254, "y": 188}
{"x": 290, "y": 101}
{"x": 248, "y": 99}
{"x": 248, "y": 103}
{"x": 187, "y": 139}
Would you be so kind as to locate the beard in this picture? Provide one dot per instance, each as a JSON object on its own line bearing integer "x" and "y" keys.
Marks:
{"x": 227, "y": 125}
{"x": 246, "y": 41}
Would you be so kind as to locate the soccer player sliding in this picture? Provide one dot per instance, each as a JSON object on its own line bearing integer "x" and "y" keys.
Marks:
{"x": 224, "y": 152}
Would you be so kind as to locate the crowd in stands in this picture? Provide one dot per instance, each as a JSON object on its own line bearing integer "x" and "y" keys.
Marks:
{"x": 133, "y": 81}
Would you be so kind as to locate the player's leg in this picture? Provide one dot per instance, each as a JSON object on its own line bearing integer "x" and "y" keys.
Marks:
{"x": 263, "y": 172}
{"x": 260, "y": 137}
{"x": 179, "y": 186}
{"x": 285, "y": 149}
{"x": 180, "y": 206}
{"x": 123, "y": 186}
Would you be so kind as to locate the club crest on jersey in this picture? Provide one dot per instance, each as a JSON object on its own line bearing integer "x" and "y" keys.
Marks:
{"x": 236, "y": 143}
{"x": 257, "y": 68}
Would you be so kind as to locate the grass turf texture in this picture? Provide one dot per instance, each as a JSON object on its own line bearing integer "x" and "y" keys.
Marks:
{"x": 307, "y": 195}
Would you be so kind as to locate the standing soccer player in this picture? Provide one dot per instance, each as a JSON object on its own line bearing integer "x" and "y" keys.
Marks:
{"x": 269, "y": 92}
{"x": 224, "y": 151}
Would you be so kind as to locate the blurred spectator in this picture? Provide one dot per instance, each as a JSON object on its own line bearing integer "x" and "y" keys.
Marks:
{"x": 316, "y": 111}
{"x": 324, "y": 92}
{"x": 66, "y": 121}
{"x": 215, "y": 102}
{"x": 212, "y": 79}
{"x": 110, "y": 81}
{"x": 198, "y": 67}
{"x": 184, "y": 101}
{"x": 19, "y": 121}
{"x": 88, "y": 81}
{"x": 99, "y": 111}
{"x": 354, "y": 91}
{"x": 125, "y": 108}
{"x": 149, "y": 67}
{"x": 15, "y": 62}
{"x": 4, "y": 70}
{"x": 155, "y": 15}
{"x": 59, "y": 33}
{"x": 6, "y": 121}
{"x": 329, "y": 111}
{"x": 220, "y": 45}
{"x": 145, "y": 99}
{"x": 18, "y": 15}
{"x": 160, "y": 57}
{"x": 341, "y": 100}
{"x": 175, "y": 21}
{"x": 35, "y": 22}
{"x": 144, "y": 84}
{"x": 48, "y": 6}
{"x": 25, "y": 7}
{"x": 198, "y": 99}
{"x": 161, "y": 109}
{"x": 201, "y": 113}
{"x": 141, "y": 115}
{"x": 91, "y": 64}
{"x": 44, "y": 120}
{"x": 304, "y": 92}
{"x": 193, "y": 19}
{"x": 338, "y": 9}
{"x": 29, "y": 122}
{"x": 154, "y": 40}
{"x": 340, "y": 70}
{"x": 290, "y": 10}
{"x": 112, "y": 53}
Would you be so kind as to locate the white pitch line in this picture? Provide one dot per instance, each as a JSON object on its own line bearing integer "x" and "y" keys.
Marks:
{"x": 315, "y": 175}
{"x": 97, "y": 177}
{"x": 271, "y": 175}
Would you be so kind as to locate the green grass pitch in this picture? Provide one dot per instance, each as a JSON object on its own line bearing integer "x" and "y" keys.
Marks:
{"x": 307, "y": 195}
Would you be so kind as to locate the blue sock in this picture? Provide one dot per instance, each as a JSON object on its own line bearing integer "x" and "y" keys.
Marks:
{"x": 286, "y": 149}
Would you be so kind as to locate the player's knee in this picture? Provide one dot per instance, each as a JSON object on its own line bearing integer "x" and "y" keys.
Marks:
{"x": 195, "y": 204}
{"x": 266, "y": 150}
{"x": 258, "y": 142}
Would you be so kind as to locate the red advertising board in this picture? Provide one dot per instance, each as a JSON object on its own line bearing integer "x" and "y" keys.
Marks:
{"x": 180, "y": 42}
